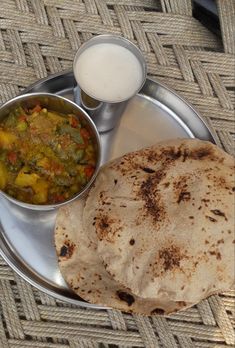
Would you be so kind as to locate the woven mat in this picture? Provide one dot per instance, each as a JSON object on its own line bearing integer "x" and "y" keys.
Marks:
{"x": 40, "y": 37}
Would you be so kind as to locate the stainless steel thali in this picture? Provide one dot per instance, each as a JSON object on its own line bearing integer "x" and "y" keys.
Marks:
{"x": 26, "y": 237}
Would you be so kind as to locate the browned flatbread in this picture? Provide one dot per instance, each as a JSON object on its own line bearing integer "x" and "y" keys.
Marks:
{"x": 164, "y": 219}
{"x": 85, "y": 274}
{"x": 156, "y": 234}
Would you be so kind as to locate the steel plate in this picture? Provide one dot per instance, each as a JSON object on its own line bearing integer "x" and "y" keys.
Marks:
{"x": 26, "y": 237}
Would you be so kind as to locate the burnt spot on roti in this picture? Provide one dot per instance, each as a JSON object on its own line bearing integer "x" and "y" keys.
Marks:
{"x": 184, "y": 196}
{"x": 107, "y": 227}
{"x": 115, "y": 181}
{"x": 63, "y": 251}
{"x": 103, "y": 223}
{"x": 219, "y": 213}
{"x": 181, "y": 191}
{"x": 158, "y": 311}
{"x": 124, "y": 296}
{"x": 169, "y": 155}
{"x": 181, "y": 303}
{"x": 220, "y": 241}
{"x": 205, "y": 152}
{"x": 170, "y": 257}
{"x": 185, "y": 155}
{"x": 148, "y": 193}
{"x": 67, "y": 249}
{"x": 202, "y": 153}
{"x": 148, "y": 170}
{"x": 215, "y": 253}
{"x": 158, "y": 176}
{"x": 132, "y": 241}
{"x": 204, "y": 200}
{"x": 211, "y": 218}
{"x": 172, "y": 153}
{"x": 221, "y": 183}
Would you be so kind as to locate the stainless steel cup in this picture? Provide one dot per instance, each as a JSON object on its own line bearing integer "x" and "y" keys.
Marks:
{"x": 105, "y": 114}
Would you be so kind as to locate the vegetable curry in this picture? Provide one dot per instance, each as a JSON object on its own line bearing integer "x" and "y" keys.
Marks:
{"x": 45, "y": 157}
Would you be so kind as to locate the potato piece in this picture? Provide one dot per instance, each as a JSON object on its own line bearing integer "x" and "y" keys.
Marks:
{"x": 25, "y": 179}
{"x": 33, "y": 180}
{"x": 44, "y": 163}
{"x": 55, "y": 118}
{"x": 7, "y": 139}
{"x": 41, "y": 191}
{"x": 3, "y": 176}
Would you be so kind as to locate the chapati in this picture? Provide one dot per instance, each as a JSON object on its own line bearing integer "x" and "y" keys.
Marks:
{"x": 164, "y": 220}
{"x": 85, "y": 274}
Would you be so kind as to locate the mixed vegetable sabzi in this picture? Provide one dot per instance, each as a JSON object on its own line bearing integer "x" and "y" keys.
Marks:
{"x": 45, "y": 157}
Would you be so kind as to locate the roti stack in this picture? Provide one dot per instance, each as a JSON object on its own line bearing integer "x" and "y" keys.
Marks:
{"x": 156, "y": 231}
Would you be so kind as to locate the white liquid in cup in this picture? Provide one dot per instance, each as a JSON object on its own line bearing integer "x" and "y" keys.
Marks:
{"x": 108, "y": 72}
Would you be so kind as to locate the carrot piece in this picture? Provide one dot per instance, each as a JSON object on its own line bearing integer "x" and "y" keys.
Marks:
{"x": 22, "y": 118}
{"x": 37, "y": 108}
{"x": 89, "y": 170}
{"x": 85, "y": 134}
{"x": 12, "y": 157}
{"x": 58, "y": 198}
{"x": 74, "y": 122}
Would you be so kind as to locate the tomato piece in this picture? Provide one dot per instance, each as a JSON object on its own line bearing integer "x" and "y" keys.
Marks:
{"x": 12, "y": 157}
{"x": 81, "y": 146}
{"x": 57, "y": 168}
{"x": 74, "y": 122}
{"x": 22, "y": 118}
{"x": 89, "y": 170}
{"x": 58, "y": 198}
{"x": 37, "y": 108}
{"x": 85, "y": 134}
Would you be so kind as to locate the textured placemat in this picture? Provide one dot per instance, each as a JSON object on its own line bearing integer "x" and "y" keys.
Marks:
{"x": 40, "y": 37}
